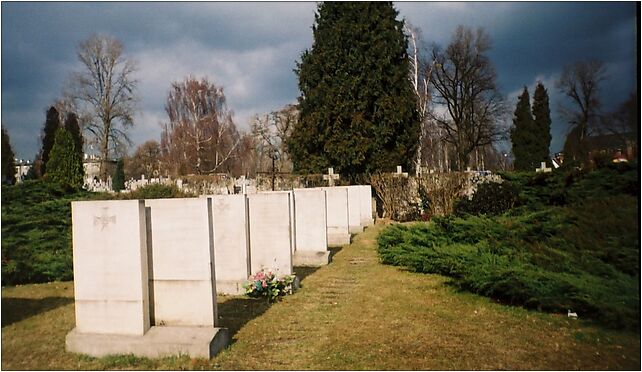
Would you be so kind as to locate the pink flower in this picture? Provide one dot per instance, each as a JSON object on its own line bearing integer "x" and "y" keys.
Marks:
{"x": 264, "y": 284}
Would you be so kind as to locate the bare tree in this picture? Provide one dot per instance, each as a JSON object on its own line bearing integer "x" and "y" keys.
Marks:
{"x": 580, "y": 82}
{"x": 465, "y": 88}
{"x": 270, "y": 132}
{"x": 145, "y": 161}
{"x": 200, "y": 136}
{"x": 103, "y": 93}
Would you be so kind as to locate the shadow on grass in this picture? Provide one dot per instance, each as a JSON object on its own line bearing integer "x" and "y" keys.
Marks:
{"x": 15, "y": 309}
{"x": 303, "y": 272}
{"x": 334, "y": 250}
{"x": 236, "y": 312}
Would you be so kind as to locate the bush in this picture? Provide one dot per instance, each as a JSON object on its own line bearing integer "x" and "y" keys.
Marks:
{"x": 156, "y": 191}
{"x": 36, "y": 231}
{"x": 490, "y": 198}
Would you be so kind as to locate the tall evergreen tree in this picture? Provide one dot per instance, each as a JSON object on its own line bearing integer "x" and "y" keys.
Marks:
{"x": 52, "y": 124}
{"x": 63, "y": 166}
{"x": 541, "y": 124}
{"x": 71, "y": 125}
{"x": 522, "y": 135}
{"x": 118, "y": 179}
{"x": 8, "y": 162}
{"x": 357, "y": 109}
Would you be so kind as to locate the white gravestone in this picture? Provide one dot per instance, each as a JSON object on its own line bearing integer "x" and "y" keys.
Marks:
{"x": 337, "y": 216}
{"x": 271, "y": 232}
{"x": 365, "y": 196}
{"x": 110, "y": 267}
{"x": 330, "y": 177}
{"x": 182, "y": 256}
{"x": 354, "y": 209}
{"x": 231, "y": 242}
{"x": 310, "y": 225}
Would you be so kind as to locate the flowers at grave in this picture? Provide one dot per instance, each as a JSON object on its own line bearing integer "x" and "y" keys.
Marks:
{"x": 269, "y": 285}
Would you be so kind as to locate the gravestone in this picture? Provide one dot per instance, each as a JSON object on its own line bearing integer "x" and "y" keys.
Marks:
{"x": 330, "y": 177}
{"x": 182, "y": 277}
{"x": 354, "y": 208}
{"x": 231, "y": 242}
{"x": 112, "y": 267}
{"x": 337, "y": 216}
{"x": 271, "y": 232}
{"x": 365, "y": 198}
{"x": 400, "y": 173}
{"x": 542, "y": 168}
{"x": 310, "y": 224}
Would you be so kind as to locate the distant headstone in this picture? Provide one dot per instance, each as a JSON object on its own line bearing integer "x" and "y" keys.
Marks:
{"x": 270, "y": 232}
{"x": 365, "y": 202}
{"x": 310, "y": 225}
{"x": 231, "y": 242}
{"x": 542, "y": 168}
{"x": 330, "y": 177}
{"x": 399, "y": 172}
{"x": 337, "y": 216}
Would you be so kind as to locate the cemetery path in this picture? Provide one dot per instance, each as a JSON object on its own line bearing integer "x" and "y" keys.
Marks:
{"x": 352, "y": 314}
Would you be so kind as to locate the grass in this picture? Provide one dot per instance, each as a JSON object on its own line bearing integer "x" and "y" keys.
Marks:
{"x": 352, "y": 314}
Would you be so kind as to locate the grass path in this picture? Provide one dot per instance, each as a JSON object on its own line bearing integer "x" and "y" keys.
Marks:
{"x": 353, "y": 314}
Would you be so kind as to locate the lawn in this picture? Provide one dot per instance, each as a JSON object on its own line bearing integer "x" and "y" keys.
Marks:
{"x": 352, "y": 314}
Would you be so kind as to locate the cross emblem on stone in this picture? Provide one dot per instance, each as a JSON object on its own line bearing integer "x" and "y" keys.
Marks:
{"x": 400, "y": 173}
{"x": 330, "y": 177}
{"x": 104, "y": 220}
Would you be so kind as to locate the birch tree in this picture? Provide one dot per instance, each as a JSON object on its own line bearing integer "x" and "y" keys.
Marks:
{"x": 200, "y": 136}
{"x": 104, "y": 93}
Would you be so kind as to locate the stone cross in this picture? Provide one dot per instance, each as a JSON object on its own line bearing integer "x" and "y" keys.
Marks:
{"x": 400, "y": 173}
{"x": 330, "y": 177}
{"x": 542, "y": 168}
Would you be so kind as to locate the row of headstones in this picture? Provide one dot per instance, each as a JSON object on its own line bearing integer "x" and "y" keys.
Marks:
{"x": 152, "y": 268}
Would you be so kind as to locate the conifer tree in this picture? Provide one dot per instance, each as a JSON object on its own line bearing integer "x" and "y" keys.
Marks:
{"x": 357, "y": 108}
{"x": 541, "y": 124}
{"x": 522, "y": 135}
{"x": 63, "y": 165}
{"x": 52, "y": 123}
{"x": 8, "y": 163}
{"x": 118, "y": 180}
{"x": 72, "y": 126}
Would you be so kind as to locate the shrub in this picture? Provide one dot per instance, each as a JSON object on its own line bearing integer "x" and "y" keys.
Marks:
{"x": 268, "y": 285}
{"x": 156, "y": 191}
{"x": 63, "y": 165}
{"x": 490, "y": 198}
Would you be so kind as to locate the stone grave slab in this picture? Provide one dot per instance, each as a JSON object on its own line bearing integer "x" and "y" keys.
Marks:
{"x": 182, "y": 277}
{"x": 110, "y": 267}
{"x": 311, "y": 228}
{"x": 365, "y": 196}
{"x": 231, "y": 242}
{"x": 271, "y": 232}
{"x": 337, "y": 216}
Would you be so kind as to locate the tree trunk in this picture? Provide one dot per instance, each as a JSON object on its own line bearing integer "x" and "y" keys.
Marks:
{"x": 104, "y": 151}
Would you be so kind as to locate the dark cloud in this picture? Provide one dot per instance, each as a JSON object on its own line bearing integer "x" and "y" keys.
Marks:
{"x": 251, "y": 49}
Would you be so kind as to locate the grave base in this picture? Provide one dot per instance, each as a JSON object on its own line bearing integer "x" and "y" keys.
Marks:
{"x": 355, "y": 229}
{"x": 303, "y": 258}
{"x": 197, "y": 342}
{"x": 338, "y": 240}
{"x": 230, "y": 287}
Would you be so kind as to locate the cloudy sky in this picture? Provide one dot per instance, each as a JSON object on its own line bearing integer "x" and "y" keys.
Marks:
{"x": 251, "y": 50}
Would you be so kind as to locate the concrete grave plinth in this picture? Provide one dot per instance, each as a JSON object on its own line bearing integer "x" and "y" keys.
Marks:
{"x": 310, "y": 225}
{"x": 182, "y": 256}
{"x": 231, "y": 242}
{"x": 337, "y": 216}
{"x": 271, "y": 232}
{"x": 197, "y": 342}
